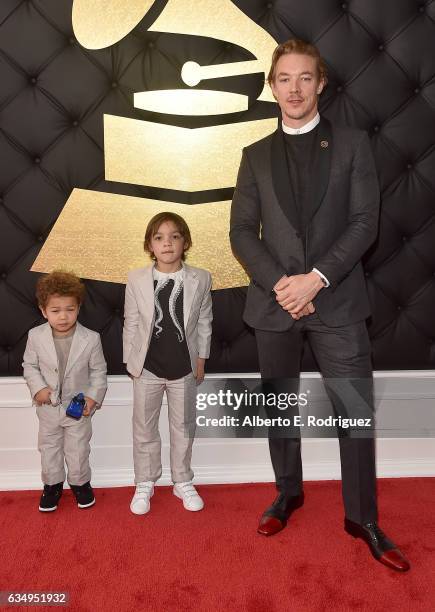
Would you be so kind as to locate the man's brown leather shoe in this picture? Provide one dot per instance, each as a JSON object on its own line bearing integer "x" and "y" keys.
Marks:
{"x": 274, "y": 519}
{"x": 269, "y": 525}
{"x": 383, "y": 549}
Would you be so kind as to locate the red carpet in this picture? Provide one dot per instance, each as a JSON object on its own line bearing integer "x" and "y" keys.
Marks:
{"x": 172, "y": 560}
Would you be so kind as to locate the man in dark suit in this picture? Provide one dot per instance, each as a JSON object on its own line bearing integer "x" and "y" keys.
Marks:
{"x": 304, "y": 212}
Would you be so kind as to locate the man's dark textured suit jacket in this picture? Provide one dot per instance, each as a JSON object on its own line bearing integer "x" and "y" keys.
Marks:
{"x": 268, "y": 239}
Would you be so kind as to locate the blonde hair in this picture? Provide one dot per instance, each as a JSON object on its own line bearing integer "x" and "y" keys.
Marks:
{"x": 294, "y": 45}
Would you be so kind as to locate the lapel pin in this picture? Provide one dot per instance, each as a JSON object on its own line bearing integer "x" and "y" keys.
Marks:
{"x": 324, "y": 144}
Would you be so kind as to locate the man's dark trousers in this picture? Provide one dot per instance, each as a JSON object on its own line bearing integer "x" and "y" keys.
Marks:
{"x": 343, "y": 355}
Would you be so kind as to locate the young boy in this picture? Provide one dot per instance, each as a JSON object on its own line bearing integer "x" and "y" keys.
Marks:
{"x": 167, "y": 332}
{"x": 63, "y": 358}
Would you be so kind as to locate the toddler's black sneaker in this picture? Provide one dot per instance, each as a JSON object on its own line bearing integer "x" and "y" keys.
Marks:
{"x": 50, "y": 497}
{"x": 84, "y": 495}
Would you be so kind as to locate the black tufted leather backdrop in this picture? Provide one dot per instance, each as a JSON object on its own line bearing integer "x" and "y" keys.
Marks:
{"x": 381, "y": 59}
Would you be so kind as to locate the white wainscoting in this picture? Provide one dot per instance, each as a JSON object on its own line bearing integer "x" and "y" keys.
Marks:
{"x": 408, "y": 396}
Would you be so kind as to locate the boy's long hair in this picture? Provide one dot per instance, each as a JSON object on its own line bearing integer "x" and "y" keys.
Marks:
{"x": 62, "y": 283}
{"x": 156, "y": 222}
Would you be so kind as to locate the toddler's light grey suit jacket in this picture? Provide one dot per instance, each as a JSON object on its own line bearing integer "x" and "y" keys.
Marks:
{"x": 85, "y": 370}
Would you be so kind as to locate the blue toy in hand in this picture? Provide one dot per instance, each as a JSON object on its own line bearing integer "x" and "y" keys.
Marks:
{"x": 76, "y": 406}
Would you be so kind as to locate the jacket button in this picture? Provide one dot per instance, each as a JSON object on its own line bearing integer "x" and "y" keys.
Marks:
{"x": 298, "y": 235}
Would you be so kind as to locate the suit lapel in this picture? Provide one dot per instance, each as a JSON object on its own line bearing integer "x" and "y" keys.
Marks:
{"x": 78, "y": 344}
{"x": 321, "y": 168}
{"x": 48, "y": 343}
{"x": 281, "y": 178}
{"x": 190, "y": 287}
{"x": 146, "y": 287}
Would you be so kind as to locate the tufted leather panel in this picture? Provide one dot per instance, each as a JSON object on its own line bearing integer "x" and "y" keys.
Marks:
{"x": 381, "y": 59}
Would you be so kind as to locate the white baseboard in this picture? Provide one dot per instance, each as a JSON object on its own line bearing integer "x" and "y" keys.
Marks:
{"x": 216, "y": 474}
{"x": 215, "y": 460}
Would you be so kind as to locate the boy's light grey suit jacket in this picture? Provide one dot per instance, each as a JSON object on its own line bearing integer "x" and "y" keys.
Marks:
{"x": 139, "y": 315}
{"x": 85, "y": 370}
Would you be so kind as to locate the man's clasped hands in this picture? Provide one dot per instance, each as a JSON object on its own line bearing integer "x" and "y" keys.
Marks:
{"x": 296, "y": 293}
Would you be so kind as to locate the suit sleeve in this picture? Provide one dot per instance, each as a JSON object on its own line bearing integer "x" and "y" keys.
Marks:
{"x": 204, "y": 321}
{"x": 32, "y": 374}
{"x": 362, "y": 226}
{"x": 131, "y": 320}
{"x": 245, "y": 224}
{"x": 97, "y": 373}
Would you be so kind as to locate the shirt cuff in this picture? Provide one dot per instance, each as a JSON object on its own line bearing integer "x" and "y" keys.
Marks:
{"x": 322, "y": 276}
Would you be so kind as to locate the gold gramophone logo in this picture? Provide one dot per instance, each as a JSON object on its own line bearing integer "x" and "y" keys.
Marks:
{"x": 145, "y": 152}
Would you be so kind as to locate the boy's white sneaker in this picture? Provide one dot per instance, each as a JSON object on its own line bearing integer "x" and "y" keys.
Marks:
{"x": 187, "y": 492}
{"x": 140, "y": 504}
